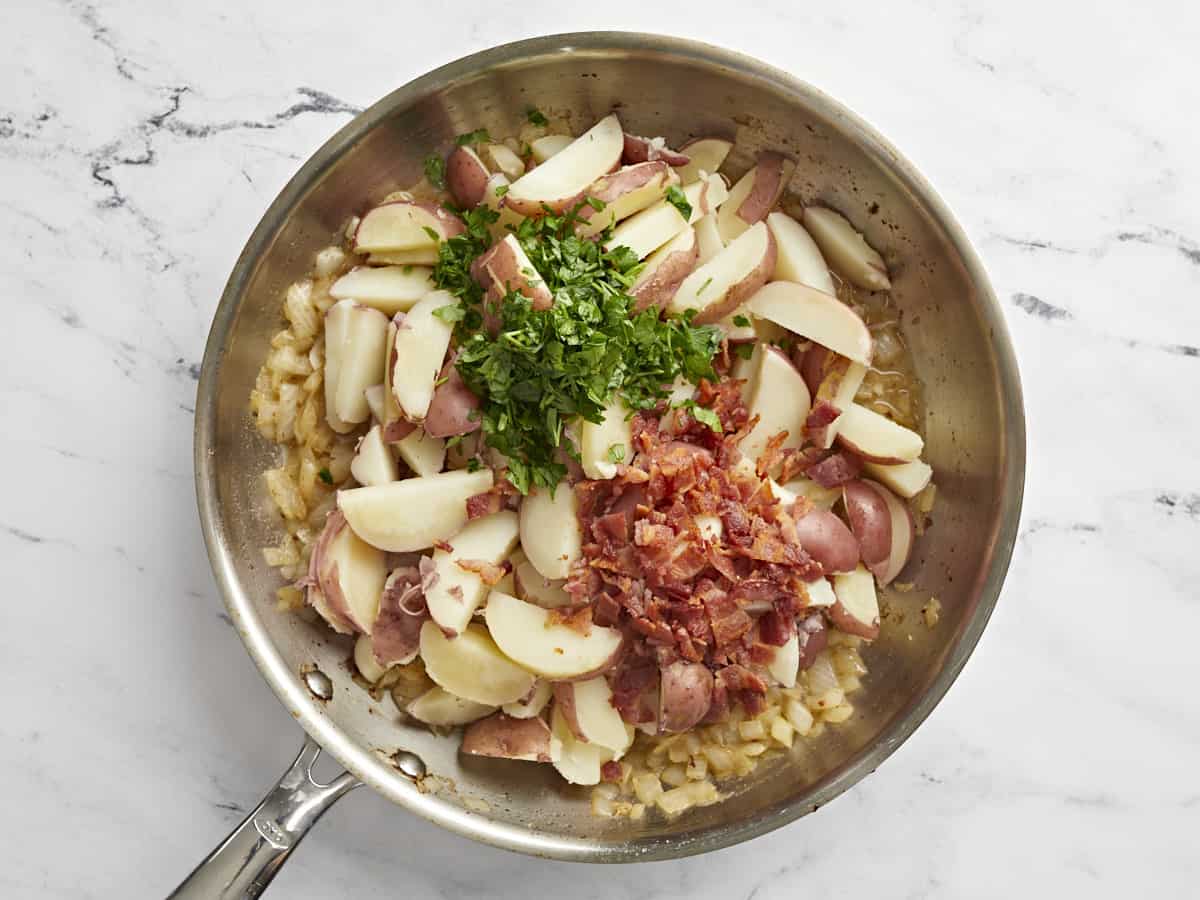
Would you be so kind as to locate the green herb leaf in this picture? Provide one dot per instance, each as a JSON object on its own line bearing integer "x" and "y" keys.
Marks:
{"x": 679, "y": 200}
{"x": 616, "y": 453}
{"x": 741, "y": 321}
{"x": 501, "y": 190}
{"x": 435, "y": 171}
{"x": 707, "y": 282}
{"x": 703, "y": 415}
{"x": 473, "y": 464}
{"x": 535, "y": 117}
{"x": 471, "y": 138}
{"x": 326, "y": 476}
{"x": 743, "y": 351}
{"x": 450, "y": 313}
{"x": 536, "y": 370}
{"x": 597, "y": 205}
{"x": 433, "y": 235}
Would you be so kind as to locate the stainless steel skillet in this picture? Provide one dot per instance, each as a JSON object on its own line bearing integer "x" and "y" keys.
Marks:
{"x": 975, "y": 441}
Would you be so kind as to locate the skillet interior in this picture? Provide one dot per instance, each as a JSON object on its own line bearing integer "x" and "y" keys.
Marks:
{"x": 974, "y": 425}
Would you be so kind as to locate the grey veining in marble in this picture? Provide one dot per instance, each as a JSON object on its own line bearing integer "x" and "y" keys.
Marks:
{"x": 140, "y": 142}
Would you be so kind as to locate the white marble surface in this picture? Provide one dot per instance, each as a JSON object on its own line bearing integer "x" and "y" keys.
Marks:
{"x": 139, "y": 143}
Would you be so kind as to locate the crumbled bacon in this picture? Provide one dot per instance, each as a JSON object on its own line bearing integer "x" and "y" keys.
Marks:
{"x": 444, "y": 546}
{"x": 611, "y": 772}
{"x": 488, "y": 572}
{"x": 724, "y": 601}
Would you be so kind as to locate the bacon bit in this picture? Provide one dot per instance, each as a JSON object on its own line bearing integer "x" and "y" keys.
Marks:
{"x": 777, "y": 626}
{"x": 835, "y": 470}
{"x": 613, "y": 528}
{"x": 647, "y": 569}
{"x": 822, "y": 414}
{"x": 444, "y": 546}
{"x": 576, "y": 619}
{"x": 485, "y": 504}
{"x": 607, "y": 611}
{"x": 646, "y": 534}
{"x": 611, "y": 772}
{"x": 771, "y": 454}
{"x": 489, "y": 573}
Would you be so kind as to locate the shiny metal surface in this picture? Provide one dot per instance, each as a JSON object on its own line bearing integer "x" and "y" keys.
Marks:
{"x": 974, "y": 425}
{"x": 246, "y": 861}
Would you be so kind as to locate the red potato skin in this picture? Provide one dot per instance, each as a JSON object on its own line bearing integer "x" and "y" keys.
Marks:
{"x": 466, "y": 176}
{"x": 685, "y": 695}
{"x": 453, "y": 409}
{"x": 813, "y": 637}
{"x": 639, "y": 149}
{"x": 740, "y": 292}
{"x": 869, "y": 457}
{"x": 871, "y": 522}
{"x": 564, "y": 699}
{"x": 664, "y": 281}
{"x": 502, "y": 737}
{"x": 497, "y": 269}
{"x": 623, "y": 181}
{"x": 902, "y": 541}
{"x": 331, "y": 605}
{"x": 770, "y": 177}
{"x": 826, "y": 539}
{"x": 843, "y": 621}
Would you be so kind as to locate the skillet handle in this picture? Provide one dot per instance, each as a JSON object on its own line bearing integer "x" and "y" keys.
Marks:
{"x": 244, "y": 864}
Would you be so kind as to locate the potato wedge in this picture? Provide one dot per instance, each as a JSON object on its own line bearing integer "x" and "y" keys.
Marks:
{"x": 471, "y": 666}
{"x": 412, "y": 514}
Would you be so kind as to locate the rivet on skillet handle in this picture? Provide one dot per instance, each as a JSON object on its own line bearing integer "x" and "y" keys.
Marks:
{"x": 244, "y": 864}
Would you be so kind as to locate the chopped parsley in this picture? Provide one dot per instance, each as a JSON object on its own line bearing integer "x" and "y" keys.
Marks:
{"x": 743, "y": 351}
{"x": 433, "y": 235}
{"x": 435, "y": 170}
{"x": 597, "y": 205}
{"x": 450, "y": 313}
{"x": 326, "y": 476}
{"x": 535, "y": 117}
{"x": 702, "y": 414}
{"x": 543, "y": 368}
{"x": 678, "y": 200}
{"x": 473, "y": 464}
{"x": 471, "y": 138}
{"x": 501, "y": 190}
{"x": 616, "y": 453}
{"x": 704, "y": 286}
{"x": 741, "y": 321}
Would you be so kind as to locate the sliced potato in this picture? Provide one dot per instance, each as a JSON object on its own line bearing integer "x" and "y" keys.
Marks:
{"x": 721, "y": 285}
{"x": 846, "y": 249}
{"x": 527, "y": 634}
{"x": 420, "y": 348}
{"x": 530, "y": 706}
{"x": 877, "y": 438}
{"x": 605, "y": 444}
{"x": 437, "y": 706}
{"x": 456, "y": 593}
{"x": 503, "y": 737}
{"x": 646, "y": 231}
{"x": 780, "y": 399}
{"x": 705, "y": 155}
{"x": 551, "y": 535}
{"x": 578, "y": 762}
{"x": 389, "y": 289}
{"x": 414, "y": 513}
{"x": 471, "y": 666}
{"x": 561, "y": 180}
{"x": 373, "y": 462}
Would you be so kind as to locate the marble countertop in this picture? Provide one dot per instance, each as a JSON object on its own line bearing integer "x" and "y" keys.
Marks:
{"x": 139, "y": 144}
